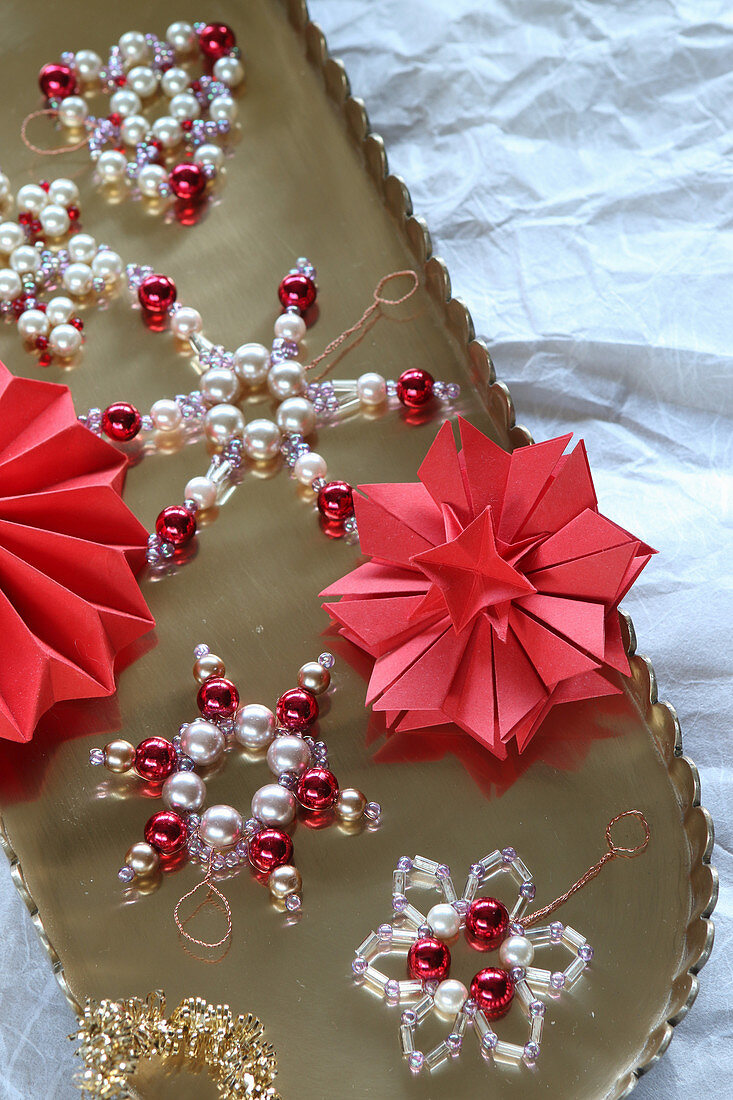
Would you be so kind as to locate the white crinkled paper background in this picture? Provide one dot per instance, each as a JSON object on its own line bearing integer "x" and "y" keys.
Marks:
{"x": 573, "y": 161}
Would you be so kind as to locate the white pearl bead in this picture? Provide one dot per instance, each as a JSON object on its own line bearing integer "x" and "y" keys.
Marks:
{"x": 168, "y": 131}
{"x": 10, "y": 285}
{"x": 72, "y": 112}
{"x": 308, "y": 467}
{"x": 133, "y": 129}
{"x": 180, "y": 36}
{"x": 87, "y": 64}
{"x": 450, "y": 997}
{"x": 174, "y": 81}
{"x": 444, "y": 921}
{"x": 254, "y": 726}
{"x": 223, "y": 109}
{"x": 64, "y": 341}
{"x": 296, "y": 415}
{"x": 4, "y": 188}
{"x": 290, "y": 326}
{"x": 261, "y": 440}
{"x": 77, "y": 279}
{"x": 286, "y": 379}
{"x": 125, "y": 102}
{"x": 219, "y": 385}
{"x": 229, "y": 70}
{"x": 184, "y": 105}
{"x": 150, "y": 178}
{"x": 11, "y": 237}
{"x": 221, "y": 826}
{"x": 202, "y": 491}
{"x": 54, "y": 220}
{"x": 222, "y": 422}
{"x": 107, "y": 265}
{"x": 273, "y": 805}
{"x": 111, "y": 166}
{"x": 184, "y": 792}
{"x": 288, "y": 754}
{"x": 185, "y": 322}
{"x": 82, "y": 248}
{"x": 32, "y": 323}
{"x": 25, "y": 259}
{"x": 31, "y": 199}
{"x": 203, "y": 742}
{"x": 63, "y": 192}
{"x": 516, "y": 951}
{"x": 252, "y": 362}
{"x": 143, "y": 81}
{"x": 133, "y": 47}
{"x": 372, "y": 388}
{"x": 59, "y": 310}
{"x": 166, "y": 414}
{"x": 209, "y": 154}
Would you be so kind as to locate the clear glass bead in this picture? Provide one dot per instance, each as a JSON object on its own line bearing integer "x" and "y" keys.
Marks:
{"x": 404, "y": 863}
{"x": 96, "y": 757}
{"x": 527, "y": 890}
{"x": 508, "y": 855}
{"x": 201, "y": 650}
{"x": 293, "y": 903}
{"x": 385, "y": 931}
{"x": 409, "y": 1017}
{"x": 392, "y": 990}
{"x": 125, "y": 873}
{"x": 556, "y": 931}
{"x": 531, "y": 1052}
{"x": 359, "y": 966}
{"x": 585, "y": 952}
{"x": 424, "y": 931}
{"x": 557, "y": 980}
{"x": 454, "y": 1042}
{"x": 489, "y": 1040}
{"x": 416, "y": 1061}
{"x": 443, "y": 871}
{"x": 373, "y": 812}
{"x": 536, "y": 1008}
{"x": 453, "y": 390}
{"x": 399, "y": 903}
{"x": 518, "y": 974}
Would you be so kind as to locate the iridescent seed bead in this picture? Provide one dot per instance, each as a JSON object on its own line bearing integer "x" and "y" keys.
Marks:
{"x": 385, "y": 931}
{"x": 317, "y": 484}
{"x": 536, "y": 1008}
{"x": 242, "y": 849}
{"x": 430, "y": 987}
{"x": 391, "y": 388}
{"x": 218, "y": 862}
{"x": 416, "y": 1060}
{"x": 392, "y": 989}
{"x": 125, "y": 873}
{"x": 424, "y": 931}
{"x": 231, "y": 859}
{"x": 461, "y": 906}
{"x": 373, "y": 812}
{"x": 477, "y": 870}
{"x": 585, "y": 952}
{"x": 453, "y": 1042}
{"x": 508, "y": 855}
{"x": 556, "y": 931}
{"x": 453, "y": 390}
{"x": 293, "y": 903}
{"x": 404, "y": 863}
{"x": 399, "y": 903}
{"x": 517, "y": 974}
{"x": 439, "y": 390}
{"x": 409, "y": 1018}
{"x": 527, "y": 890}
{"x": 489, "y": 1041}
{"x": 443, "y": 871}
{"x": 516, "y": 929}
{"x": 469, "y": 1009}
{"x": 192, "y": 822}
{"x": 557, "y": 980}
{"x": 531, "y": 1052}
{"x": 96, "y": 757}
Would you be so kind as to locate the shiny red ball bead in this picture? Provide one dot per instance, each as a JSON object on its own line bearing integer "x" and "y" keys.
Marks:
{"x": 415, "y": 387}
{"x": 157, "y": 293}
{"x": 317, "y": 789}
{"x": 487, "y": 923}
{"x": 216, "y": 40}
{"x": 297, "y": 290}
{"x": 121, "y": 421}
{"x": 297, "y": 709}
{"x": 218, "y": 698}
{"x": 155, "y": 759}
{"x": 187, "y": 181}
{"x": 270, "y": 848}
{"x": 493, "y": 991}
{"x": 428, "y": 960}
{"x": 57, "y": 81}
{"x": 336, "y": 501}
{"x": 166, "y": 832}
{"x": 175, "y": 524}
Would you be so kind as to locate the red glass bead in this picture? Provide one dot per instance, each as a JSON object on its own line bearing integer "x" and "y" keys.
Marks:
{"x": 73, "y": 212}
{"x": 41, "y": 342}
{"x": 44, "y": 360}
{"x": 121, "y": 80}
{"x": 270, "y": 848}
{"x": 77, "y": 323}
{"x": 428, "y": 960}
{"x": 166, "y": 832}
{"x": 25, "y": 218}
{"x": 157, "y": 293}
{"x": 297, "y": 709}
{"x": 317, "y": 789}
{"x": 187, "y": 125}
{"x": 115, "y": 119}
{"x": 187, "y": 181}
{"x": 216, "y": 40}
{"x": 175, "y": 524}
{"x": 35, "y": 227}
{"x": 121, "y": 421}
{"x": 218, "y": 698}
{"x": 45, "y": 185}
{"x": 155, "y": 759}
{"x": 493, "y": 991}
{"x": 57, "y": 81}
{"x": 415, "y": 387}
{"x": 487, "y": 923}
{"x": 336, "y": 501}
{"x": 297, "y": 290}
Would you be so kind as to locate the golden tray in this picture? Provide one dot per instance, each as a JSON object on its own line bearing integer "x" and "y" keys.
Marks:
{"x": 310, "y": 178}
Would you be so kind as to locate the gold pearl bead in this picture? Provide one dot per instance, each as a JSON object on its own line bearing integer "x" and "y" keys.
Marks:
{"x": 207, "y": 666}
{"x": 284, "y": 880}
{"x": 119, "y": 755}
{"x": 350, "y": 804}
{"x": 143, "y": 859}
{"x": 314, "y": 677}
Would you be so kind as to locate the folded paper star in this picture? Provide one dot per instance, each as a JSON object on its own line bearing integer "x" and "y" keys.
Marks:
{"x": 69, "y": 549}
{"x": 493, "y": 588}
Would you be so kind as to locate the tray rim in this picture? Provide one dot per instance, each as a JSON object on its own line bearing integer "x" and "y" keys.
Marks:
{"x": 682, "y": 771}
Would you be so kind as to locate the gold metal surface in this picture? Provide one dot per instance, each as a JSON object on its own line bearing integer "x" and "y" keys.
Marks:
{"x": 309, "y": 179}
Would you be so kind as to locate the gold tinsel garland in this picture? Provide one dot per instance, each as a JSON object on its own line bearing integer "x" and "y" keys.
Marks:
{"x": 114, "y": 1036}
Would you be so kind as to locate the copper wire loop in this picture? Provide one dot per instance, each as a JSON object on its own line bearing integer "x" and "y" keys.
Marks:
{"x": 212, "y": 889}
{"x": 36, "y": 148}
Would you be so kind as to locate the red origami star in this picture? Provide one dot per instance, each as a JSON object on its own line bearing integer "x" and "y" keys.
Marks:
{"x": 493, "y": 589}
{"x": 69, "y": 601}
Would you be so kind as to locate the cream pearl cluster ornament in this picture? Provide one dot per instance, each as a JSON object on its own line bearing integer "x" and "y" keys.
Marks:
{"x": 178, "y": 154}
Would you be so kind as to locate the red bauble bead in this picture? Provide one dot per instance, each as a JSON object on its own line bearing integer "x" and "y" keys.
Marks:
{"x": 297, "y": 290}
{"x": 428, "y": 960}
{"x": 121, "y": 421}
{"x": 297, "y": 709}
{"x": 317, "y": 789}
{"x": 157, "y": 293}
{"x": 44, "y": 360}
{"x": 216, "y": 40}
{"x": 166, "y": 832}
{"x": 41, "y": 342}
{"x": 415, "y": 387}
{"x": 77, "y": 323}
{"x": 336, "y": 501}
{"x": 493, "y": 991}
{"x": 73, "y": 212}
{"x": 218, "y": 698}
{"x": 187, "y": 181}
{"x": 175, "y": 524}
{"x": 487, "y": 923}
{"x": 155, "y": 759}
{"x": 270, "y": 848}
{"x": 57, "y": 81}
